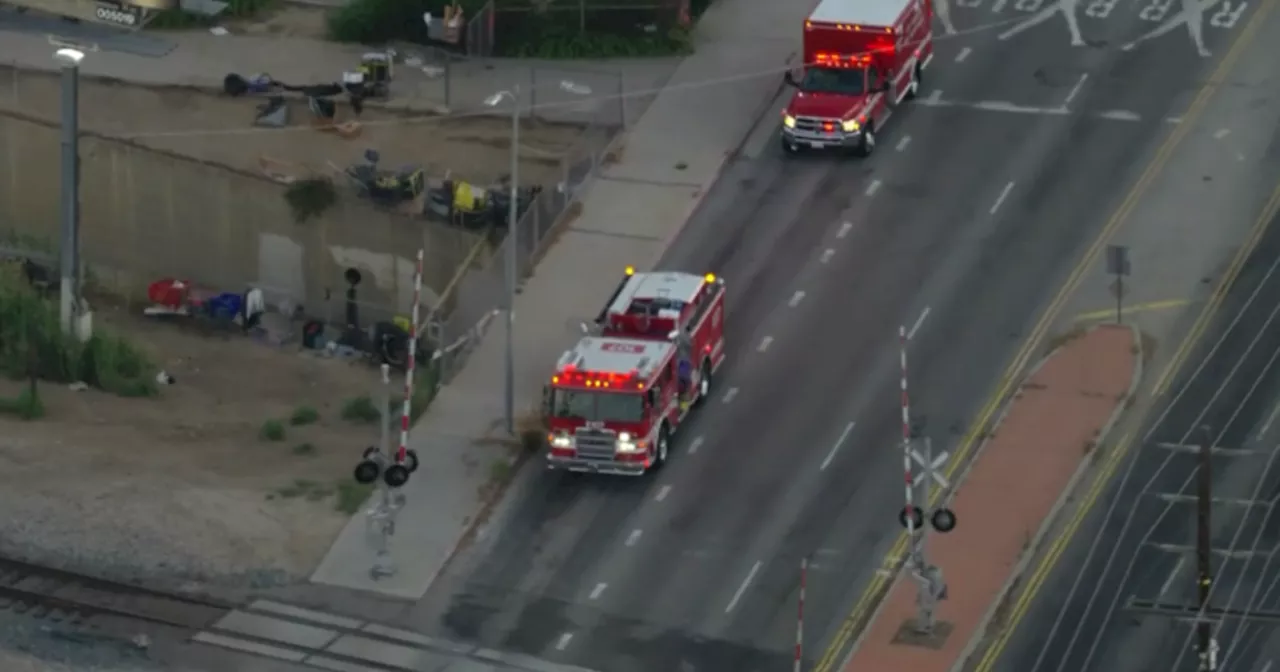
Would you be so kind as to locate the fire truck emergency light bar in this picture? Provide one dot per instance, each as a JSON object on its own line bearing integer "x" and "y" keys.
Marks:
{"x": 808, "y": 25}
{"x": 710, "y": 277}
{"x": 588, "y": 379}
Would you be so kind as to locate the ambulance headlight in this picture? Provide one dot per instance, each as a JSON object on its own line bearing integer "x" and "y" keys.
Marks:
{"x": 561, "y": 441}
{"x": 627, "y": 444}
{"x": 850, "y": 126}
{"x": 788, "y": 121}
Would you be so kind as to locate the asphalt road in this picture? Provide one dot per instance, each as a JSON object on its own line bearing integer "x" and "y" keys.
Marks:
{"x": 710, "y": 582}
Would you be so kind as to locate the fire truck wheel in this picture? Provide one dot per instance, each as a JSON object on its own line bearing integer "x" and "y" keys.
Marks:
{"x": 868, "y": 145}
{"x": 789, "y": 148}
{"x": 663, "y": 447}
{"x": 704, "y": 383}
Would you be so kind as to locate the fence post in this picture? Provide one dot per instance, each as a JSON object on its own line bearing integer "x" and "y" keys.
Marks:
{"x": 533, "y": 93}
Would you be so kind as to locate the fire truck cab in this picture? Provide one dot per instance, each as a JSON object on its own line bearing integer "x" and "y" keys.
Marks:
{"x": 617, "y": 398}
{"x": 862, "y": 58}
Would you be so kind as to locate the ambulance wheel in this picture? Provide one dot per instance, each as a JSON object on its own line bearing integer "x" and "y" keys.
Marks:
{"x": 917, "y": 76}
{"x": 704, "y": 383}
{"x": 789, "y": 148}
{"x": 867, "y": 146}
{"x": 662, "y": 448}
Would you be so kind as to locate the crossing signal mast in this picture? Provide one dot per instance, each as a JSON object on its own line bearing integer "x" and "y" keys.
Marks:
{"x": 931, "y": 586}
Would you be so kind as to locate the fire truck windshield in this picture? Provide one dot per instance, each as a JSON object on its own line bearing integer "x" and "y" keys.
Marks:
{"x": 843, "y": 81}
{"x": 604, "y": 406}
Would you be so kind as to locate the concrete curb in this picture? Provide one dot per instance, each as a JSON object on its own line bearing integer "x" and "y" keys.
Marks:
{"x": 1033, "y": 549}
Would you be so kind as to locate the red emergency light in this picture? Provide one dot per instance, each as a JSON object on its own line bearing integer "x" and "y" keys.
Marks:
{"x": 571, "y": 376}
{"x": 834, "y": 60}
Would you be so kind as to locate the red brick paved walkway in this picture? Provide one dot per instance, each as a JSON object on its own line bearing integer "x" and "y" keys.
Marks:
{"x": 1009, "y": 492}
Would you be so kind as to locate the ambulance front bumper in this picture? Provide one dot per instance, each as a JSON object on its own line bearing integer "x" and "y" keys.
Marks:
{"x": 802, "y": 139}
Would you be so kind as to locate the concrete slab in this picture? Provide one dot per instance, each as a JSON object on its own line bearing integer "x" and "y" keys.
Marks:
{"x": 256, "y": 648}
{"x": 299, "y": 613}
{"x": 327, "y": 663}
{"x": 378, "y": 651}
{"x": 261, "y": 627}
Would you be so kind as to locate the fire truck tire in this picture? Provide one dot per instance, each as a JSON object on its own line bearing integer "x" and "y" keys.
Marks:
{"x": 704, "y": 383}
{"x": 663, "y": 447}
{"x": 788, "y": 148}
{"x": 868, "y": 145}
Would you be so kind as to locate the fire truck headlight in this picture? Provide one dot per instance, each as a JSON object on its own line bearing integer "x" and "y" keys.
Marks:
{"x": 850, "y": 126}
{"x": 627, "y": 444}
{"x": 561, "y": 441}
{"x": 788, "y": 121}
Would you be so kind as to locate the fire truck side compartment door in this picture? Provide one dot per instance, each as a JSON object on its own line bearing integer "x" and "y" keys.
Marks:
{"x": 651, "y": 397}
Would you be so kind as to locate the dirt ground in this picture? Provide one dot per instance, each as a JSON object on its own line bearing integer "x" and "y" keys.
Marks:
{"x": 184, "y": 486}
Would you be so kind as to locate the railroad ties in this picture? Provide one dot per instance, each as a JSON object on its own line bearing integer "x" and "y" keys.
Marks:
{"x": 61, "y": 596}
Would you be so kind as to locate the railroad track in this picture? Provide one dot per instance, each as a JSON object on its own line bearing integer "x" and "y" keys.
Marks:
{"x": 62, "y": 596}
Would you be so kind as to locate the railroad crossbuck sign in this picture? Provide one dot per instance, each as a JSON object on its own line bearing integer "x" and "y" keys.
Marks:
{"x": 942, "y": 519}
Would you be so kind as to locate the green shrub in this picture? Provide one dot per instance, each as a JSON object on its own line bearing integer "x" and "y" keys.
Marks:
{"x": 26, "y": 405}
{"x": 558, "y": 41}
{"x": 375, "y": 21}
{"x": 177, "y": 19}
{"x": 272, "y": 430}
{"x": 32, "y": 345}
{"x": 360, "y": 409}
{"x": 304, "y": 415}
{"x": 310, "y": 198}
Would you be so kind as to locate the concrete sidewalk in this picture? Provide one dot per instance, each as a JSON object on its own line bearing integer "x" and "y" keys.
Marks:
{"x": 630, "y": 214}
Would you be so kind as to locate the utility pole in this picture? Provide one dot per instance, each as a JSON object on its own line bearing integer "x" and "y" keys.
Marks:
{"x": 1204, "y": 506}
{"x": 69, "y": 60}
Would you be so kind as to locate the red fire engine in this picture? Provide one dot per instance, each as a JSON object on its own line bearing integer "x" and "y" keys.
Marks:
{"x": 618, "y": 397}
{"x": 861, "y": 59}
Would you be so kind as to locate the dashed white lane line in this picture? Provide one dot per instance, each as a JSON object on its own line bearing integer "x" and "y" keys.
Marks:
{"x": 663, "y": 492}
{"x": 564, "y": 641}
{"x": 836, "y": 448}
{"x": 934, "y": 97}
{"x": 1222, "y": 133}
{"x": 728, "y": 396}
{"x": 902, "y": 144}
{"x": 743, "y": 588}
{"x": 764, "y": 344}
{"x": 634, "y": 537}
{"x": 964, "y": 53}
{"x": 826, "y": 255}
{"x": 845, "y": 228}
{"x": 873, "y": 187}
{"x": 1003, "y": 195}
{"x": 695, "y": 445}
{"x": 796, "y": 299}
{"x": 1075, "y": 90}
{"x": 1168, "y": 583}
{"x": 598, "y": 590}
{"x": 924, "y": 314}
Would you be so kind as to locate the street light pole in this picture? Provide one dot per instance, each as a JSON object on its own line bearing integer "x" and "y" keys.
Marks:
{"x": 69, "y": 59}
{"x": 513, "y": 211}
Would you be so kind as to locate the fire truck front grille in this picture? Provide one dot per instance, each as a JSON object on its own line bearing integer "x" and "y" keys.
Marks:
{"x": 816, "y": 125}
{"x": 594, "y": 445}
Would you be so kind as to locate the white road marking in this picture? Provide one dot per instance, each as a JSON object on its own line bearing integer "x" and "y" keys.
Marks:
{"x": 1003, "y": 195}
{"x": 663, "y": 492}
{"x": 1271, "y": 418}
{"x": 1222, "y": 133}
{"x": 796, "y": 299}
{"x": 883, "y": 573}
{"x": 1168, "y": 583}
{"x": 1121, "y": 115}
{"x": 634, "y": 537}
{"x": 826, "y": 255}
{"x": 598, "y": 590}
{"x": 1266, "y": 668}
{"x": 1006, "y": 106}
{"x": 1075, "y": 90}
{"x": 934, "y": 97}
{"x": 564, "y": 641}
{"x": 836, "y": 448}
{"x": 845, "y": 227}
{"x": 999, "y": 6}
{"x": 743, "y": 588}
{"x": 695, "y": 445}
{"x": 873, "y": 187}
{"x": 1173, "y": 120}
{"x": 964, "y": 53}
{"x": 924, "y": 314}
{"x": 764, "y": 345}
{"x": 728, "y": 396}
{"x": 902, "y": 144}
